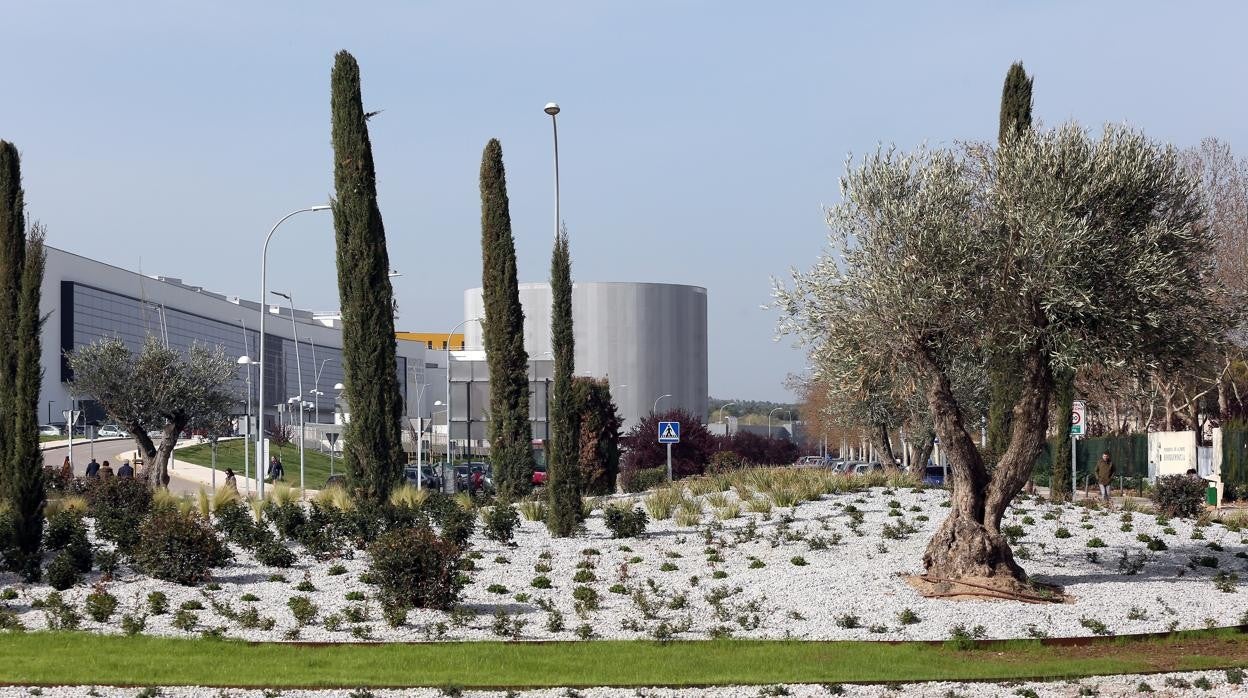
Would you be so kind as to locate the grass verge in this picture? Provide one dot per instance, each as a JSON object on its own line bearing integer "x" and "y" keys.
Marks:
{"x": 40, "y": 658}
{"x": 230, "y": 455}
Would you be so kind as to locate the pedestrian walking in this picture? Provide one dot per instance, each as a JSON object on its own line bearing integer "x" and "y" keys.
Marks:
{"x": 126, "y": 471}
{"x": 93, "y": 468}
{"x": 1105, "y": 475}
{"x": 106, "y": 470}
{"x": 230, "y": 482}
{"x": 67, "y": 470}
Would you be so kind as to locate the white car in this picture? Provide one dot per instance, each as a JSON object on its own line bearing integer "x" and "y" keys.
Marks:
{"x": 112, "y": 430}
{"x": 49, "y": 430}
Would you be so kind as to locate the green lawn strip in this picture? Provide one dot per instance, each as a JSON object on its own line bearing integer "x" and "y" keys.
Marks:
{"x": 39, "y": 658}
{"x": 230, "y": 455}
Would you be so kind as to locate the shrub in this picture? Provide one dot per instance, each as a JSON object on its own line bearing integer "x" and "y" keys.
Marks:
{"x": 119, "y": 506}
{"x": 133, "y": 623}
{"x": 271, "y": 553}
{"x": 500, "y": 522}
{"x": 302, "y": 608}
{"x": 178, "y": 548}
{"x": 185, "y": 620}
{"x": 643, "y": 479}
{"x": 101, "y": 604}
{"x": 414, "y": 567}
{"x": 625, "y": 521}
{"x": 541, "y": 582}
{"x": 61, "y": 572}
{"x": 723, "y": 461}
{"x": 158, "y": 603}
{"x": 107, "y": 561}
{"x": 235, "y": 521}
{"x": 1096, "y": 543}
{"x": 1179, "y": 495}
{"x": 586, "y": 597}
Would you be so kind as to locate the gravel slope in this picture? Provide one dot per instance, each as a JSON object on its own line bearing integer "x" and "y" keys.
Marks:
{"x": 739, "y": 577}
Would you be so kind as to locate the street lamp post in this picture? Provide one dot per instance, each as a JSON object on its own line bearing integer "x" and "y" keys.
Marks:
{"x": 316, "y": 387}
{"x": 553, "y": 109}
{"x": 773, "y": 411}
{"x": 247, "y": 362}
{"x": 655, "y": 410}
{"x": 264, "y": 293}
{"x": 723, "y": 419}
{"x": 448, "y": 384}
{"x": 294, "y": 330}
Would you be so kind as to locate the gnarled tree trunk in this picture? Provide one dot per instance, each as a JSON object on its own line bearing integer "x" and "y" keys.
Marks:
{"x": 969, "y": 543}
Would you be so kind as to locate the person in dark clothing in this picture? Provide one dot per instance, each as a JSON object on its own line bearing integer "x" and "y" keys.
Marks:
{"x": 126, "y": 471}
{"x": 106, "y": 470}
{"x": 230, "y": 482}
{"x": 93, "y": 469}
{"x": 1105, "y": 475}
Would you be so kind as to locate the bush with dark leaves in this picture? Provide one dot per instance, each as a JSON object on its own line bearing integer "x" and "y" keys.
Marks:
{"x": 271, "y": 553}
{"x": 178, "y": 548}
{"x": 1179, "y": 495}
{"x": 67, "y": 531}
{"x": 234, "y": 520}
{"x": 119, "y": 506}
{"x": 288, "y": 518}
{"x": 624, "y": 522}
{"x": 61, "y": 573}
{"x": 644, "y": 479}
{"x": 500, "y": 522}
{"x": 416, "y": 568}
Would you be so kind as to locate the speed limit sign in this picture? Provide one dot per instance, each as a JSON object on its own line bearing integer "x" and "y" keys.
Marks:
{"x": 1079, "y": 419}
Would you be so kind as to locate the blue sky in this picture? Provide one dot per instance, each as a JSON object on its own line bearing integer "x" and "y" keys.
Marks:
{"x": 698, "y": 142}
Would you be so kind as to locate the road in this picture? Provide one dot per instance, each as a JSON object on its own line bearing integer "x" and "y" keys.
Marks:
{"x": 108, "y": 450}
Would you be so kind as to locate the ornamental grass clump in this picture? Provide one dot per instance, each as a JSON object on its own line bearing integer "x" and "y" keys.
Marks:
{"x": 662, "y": 502}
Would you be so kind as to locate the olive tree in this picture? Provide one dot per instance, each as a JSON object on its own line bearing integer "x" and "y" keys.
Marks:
{"x": 159, "y": 388}
{"x": 1105, "y": 263}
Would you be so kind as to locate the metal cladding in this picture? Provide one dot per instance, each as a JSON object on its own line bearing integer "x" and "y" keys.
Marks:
{"x": 649, "y": 337}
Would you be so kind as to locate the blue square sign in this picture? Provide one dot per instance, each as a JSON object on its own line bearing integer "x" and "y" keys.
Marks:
{"x": 669, "y": 432}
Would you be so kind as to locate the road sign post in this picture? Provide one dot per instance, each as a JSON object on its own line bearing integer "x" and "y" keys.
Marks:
{"x": 1078, "y": 427}
{"x": 669, "y": 433}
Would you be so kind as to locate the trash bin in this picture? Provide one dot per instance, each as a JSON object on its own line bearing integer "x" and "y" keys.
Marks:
{"x": 1211, "y": 495}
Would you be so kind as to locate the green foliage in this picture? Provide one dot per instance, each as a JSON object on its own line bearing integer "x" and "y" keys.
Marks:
{"x": 157, "y": 603}
{"x": 563, "y": 483}
{"x": 100, "y": 604}
{"x": 373, "y": 456}
{"x": 416, "y": 568}
{"x": 179, "y": 548}
{"x": 62, "y": 573}
{"x": 67, "y": 531}
{"x": 625, "y": 521}
{"x": 598, "y": 435}
{"x": 645, "y": 479}
{"x": 119, "y": 506}
{"x": 500, "y": 521}
{"x": 1180, "y": 496}
{"x": 1063, "y": 404}
{"x": 503, "y": 326}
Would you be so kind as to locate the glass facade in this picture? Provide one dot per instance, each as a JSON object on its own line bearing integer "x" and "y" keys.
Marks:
{"x": 89, "y": 314}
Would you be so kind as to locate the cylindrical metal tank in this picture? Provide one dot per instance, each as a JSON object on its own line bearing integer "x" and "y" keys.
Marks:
{"x": 647, "y": 339}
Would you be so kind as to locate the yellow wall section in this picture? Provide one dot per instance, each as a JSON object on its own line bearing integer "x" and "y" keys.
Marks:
{"x": 432, "y": 340}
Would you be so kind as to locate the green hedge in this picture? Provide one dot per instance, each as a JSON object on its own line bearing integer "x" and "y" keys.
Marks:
{"x": 1129, "y": 453}
{"x": 1235, "y": 453}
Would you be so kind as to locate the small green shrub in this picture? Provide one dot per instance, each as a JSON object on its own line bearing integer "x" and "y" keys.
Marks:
{"x": 157, "y": 603}
{"x": 119, "y": 506}
{"x": 302, "y": 608}
{"x": 179, "y": 548}
{"x": 61, "y": 573}
{"x": 100, "y": 604}
{"x": 1180, "y": 496}
{"x": 271, "y": 553}
{"x": 1096, "y": 543}
{"x": 625, "y": 522}
{"x": 185, "y": 620}
{"x": 416, "y": 568}
{"x": 500, "y": 522}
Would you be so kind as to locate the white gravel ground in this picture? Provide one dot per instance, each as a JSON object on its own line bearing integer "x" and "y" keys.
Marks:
{"x": 851, "y": 587}
{"x": 1169, "y": 685}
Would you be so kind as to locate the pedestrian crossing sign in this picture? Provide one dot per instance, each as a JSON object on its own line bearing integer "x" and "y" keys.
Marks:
{"x": 669, "y": 432}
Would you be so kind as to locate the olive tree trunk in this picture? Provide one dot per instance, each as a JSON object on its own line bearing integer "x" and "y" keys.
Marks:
{"x": 969, "y": 543}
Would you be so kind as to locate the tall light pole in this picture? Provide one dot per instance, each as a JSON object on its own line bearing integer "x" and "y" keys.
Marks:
{"x": 264, "y": 294}
{"x": 553, "y": 109}
{"x": 294, "y": 330}
{"x": 247, "y": 362}
{"x": 655, "y": 410}
{"x": 316, "y": 386}
{"x": 773, "y": 411}
{"x": 448, "y": 384}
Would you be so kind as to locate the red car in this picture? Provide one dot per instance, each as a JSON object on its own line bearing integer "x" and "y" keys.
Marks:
{"x": 539, "y": 475}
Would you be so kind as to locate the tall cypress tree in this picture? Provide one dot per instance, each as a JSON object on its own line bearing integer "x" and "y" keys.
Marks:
{"x": 1004, "y": 370}
{"x": 374, "y": 451}
{"x": 511, "y": 435}
{"x": 26, "y": 469}
{"x": 12, "y": 262}
{"x": 563, "y": 469}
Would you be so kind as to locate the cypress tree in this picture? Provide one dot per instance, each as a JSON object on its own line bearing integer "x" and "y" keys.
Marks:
{"x": 26, "y": 470}
{"x": 511, "y": 435}
{"x": 374, "y": 451}
{"x": 563, "y": 468}
{"x": 12, "y": 262}
{"x": 1004, "y": 370}
{"x": 1063, "y": 405}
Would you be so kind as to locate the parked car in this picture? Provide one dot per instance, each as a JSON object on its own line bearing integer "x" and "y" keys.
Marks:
{"x": 49, "y": 430}
{"x": 430, "y": 477}
{"x": 474, "y": 475}
{"x": 934, "y": 475}
{"x": 111, "y": 431}
{"x": 539, "y": 474}
{"x": 845, "y": 467}
{"x": 864, "y": 468}
{"x": 809, "y": 462}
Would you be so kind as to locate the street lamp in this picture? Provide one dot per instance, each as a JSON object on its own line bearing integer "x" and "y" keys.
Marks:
{"x": 294, "y": 330}
{"x": 553, "y": 109}
{"x": 725, "y": 421}
{"x": 246, "y": 361}
{"x": 448, "y": 383}
{"x": 316, "y": 385}
{"x": 264, "y": 293}
{"x": 655, "y": 409}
